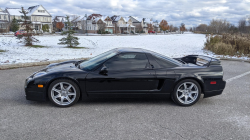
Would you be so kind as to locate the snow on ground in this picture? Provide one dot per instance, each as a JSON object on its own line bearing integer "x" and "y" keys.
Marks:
{"x": 174, "y": 45}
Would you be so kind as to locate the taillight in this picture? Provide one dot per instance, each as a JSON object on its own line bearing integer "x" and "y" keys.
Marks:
{"x": 213, "y": 82}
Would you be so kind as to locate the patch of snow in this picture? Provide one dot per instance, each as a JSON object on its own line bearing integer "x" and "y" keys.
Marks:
{"x": 175, "y": 45}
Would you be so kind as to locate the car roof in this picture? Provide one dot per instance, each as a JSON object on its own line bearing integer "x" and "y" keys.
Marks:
{"x": 122, "y": 50}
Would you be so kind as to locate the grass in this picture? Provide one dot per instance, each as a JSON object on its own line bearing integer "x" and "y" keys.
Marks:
{"x": 2, "y": 51}
{"x": 77, "y": 47}
{"x": 37, "y": 46}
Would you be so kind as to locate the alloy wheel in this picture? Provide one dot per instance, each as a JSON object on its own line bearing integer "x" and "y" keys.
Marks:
{"x": 187, "y": 93}
{"x": 63, "y": 93}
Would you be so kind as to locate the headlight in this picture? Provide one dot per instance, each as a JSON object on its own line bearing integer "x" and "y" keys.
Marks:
{"x": 39, "y": 74}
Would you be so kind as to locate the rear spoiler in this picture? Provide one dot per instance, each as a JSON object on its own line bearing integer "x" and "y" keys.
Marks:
{"x": 199, "y": 60}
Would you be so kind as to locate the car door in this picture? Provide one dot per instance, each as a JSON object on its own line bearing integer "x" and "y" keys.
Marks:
{"x": 126, "y": 73}
{"x": 164, "y": 71}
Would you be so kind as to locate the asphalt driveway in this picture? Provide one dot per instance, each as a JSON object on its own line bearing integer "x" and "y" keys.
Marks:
{"x": 222, "y": 117}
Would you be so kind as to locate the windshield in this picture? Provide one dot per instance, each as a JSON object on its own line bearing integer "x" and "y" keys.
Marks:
{"x": 166, "y": 58}
{"x": 97, "y": 60}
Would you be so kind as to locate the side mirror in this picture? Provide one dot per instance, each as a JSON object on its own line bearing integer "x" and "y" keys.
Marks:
{"x": 104, "y": 70}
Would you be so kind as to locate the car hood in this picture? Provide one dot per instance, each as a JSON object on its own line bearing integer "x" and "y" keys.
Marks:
{"x": 63, "y": 66}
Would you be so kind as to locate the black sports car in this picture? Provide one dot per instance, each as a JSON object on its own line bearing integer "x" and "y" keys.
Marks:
{"x": 127, "y": 71}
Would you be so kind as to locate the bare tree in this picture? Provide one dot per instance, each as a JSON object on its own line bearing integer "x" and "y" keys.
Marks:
{"x": 182, "y": 28}
{"x": 202, "y": 28}
{"x": 219, "y": 26}
{"x": 175, "y": 29}
{"x": 242, "y": 25}
{"x": 101, "y": 26}
{"x": 138, "y": 28}
{"x": 190, "y": 29}
{"x": 171, "y": 27}
{"x": 73, "y": 19}
{"x": 83, "y": 25}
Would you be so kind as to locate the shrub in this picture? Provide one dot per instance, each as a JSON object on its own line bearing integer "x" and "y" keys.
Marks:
{"x": 228, "y": 44}
{"x": 45, "y": 28}
{"x": 19, "y": 37}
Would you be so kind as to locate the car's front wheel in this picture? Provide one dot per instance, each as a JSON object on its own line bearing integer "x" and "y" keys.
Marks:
{"x": 186, "y": 92}
{"x": 63, "y": 92}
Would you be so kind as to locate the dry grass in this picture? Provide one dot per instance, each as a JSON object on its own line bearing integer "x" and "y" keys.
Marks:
{"x": 2, "y": 51}
{"x": 228, "y": 44}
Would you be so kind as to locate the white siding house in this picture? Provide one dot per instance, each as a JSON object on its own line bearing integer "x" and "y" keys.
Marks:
{"x": 38, "y": 16}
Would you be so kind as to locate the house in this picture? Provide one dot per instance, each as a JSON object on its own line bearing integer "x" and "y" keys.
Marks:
{"x": 97, "y": 22}
{"x": 92, "y": 23}
{"x": 137, "y": 23}
{"x": 141, "y": 24}
{"x": 123, "y": 24}
{"x": 38, "y": 16}
{"x": 4, "y": 20}
{"x": 156, "y": 26}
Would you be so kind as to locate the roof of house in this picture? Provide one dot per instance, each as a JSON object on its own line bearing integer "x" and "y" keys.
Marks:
{"x": 93, "y": 16}
{"x": 126, "y": 19}
{"x": 14, "y": 11}
{"x": 134, "y": 19}
{"x": 32, "y": 9}
{"x": 106, "y": 18}
{"x": 116, "y": 18}
{"x": 148, "y": 21}
{"x": 74, "y": 18}
{"x": 60, "y": 18}
{"x": 3, "y": 13}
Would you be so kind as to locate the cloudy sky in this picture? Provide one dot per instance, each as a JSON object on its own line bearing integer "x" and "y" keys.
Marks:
{"x": 190, "y": 12}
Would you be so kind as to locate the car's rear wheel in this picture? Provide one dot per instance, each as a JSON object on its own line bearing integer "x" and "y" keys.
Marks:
{"x": 63, "y": 92}
{"x": 186, "y": 92}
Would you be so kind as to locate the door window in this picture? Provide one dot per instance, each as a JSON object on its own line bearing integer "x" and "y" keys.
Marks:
{"x": 127, "y": 61}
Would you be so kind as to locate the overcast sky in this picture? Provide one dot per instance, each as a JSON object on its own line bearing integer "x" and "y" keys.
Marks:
{"x": 190, "y": 12}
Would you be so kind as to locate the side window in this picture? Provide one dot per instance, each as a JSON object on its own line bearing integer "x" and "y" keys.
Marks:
{"x": 127, "y": 61}
{"x": 163, "y": 62}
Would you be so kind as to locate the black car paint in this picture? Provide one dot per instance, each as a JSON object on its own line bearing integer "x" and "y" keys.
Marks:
{"x": 152, "y": 80}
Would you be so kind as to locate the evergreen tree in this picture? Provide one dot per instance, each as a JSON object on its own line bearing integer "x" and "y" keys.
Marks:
{"x": 45, "y": 28}
{"x": 28, "y": 39}
{"x": 70, "y": 40}
{"x": 14, "y": 25}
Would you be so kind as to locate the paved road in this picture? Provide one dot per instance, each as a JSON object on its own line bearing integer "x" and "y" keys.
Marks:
{"x": 221, "y": 117}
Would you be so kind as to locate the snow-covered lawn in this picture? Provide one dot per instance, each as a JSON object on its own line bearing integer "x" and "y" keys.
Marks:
{"x": 174, "y": 45}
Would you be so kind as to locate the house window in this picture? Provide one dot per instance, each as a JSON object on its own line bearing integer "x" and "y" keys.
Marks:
{"x": 41, "y": 11}
{"x": 0, "y": 16}
{"x": 4, "y": 17}
{"x": 36, "y": 27}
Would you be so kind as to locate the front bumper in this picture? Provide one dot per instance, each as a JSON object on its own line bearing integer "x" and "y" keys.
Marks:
{"x": 32, "y": 92}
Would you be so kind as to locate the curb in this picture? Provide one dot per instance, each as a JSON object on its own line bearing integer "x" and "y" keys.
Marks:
{"x": 234, "y": 59}
{"x": 31, "y": 64}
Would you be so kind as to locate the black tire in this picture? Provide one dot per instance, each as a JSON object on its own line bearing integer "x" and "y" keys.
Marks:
{"x": 179, "y": 100}
{"x": 74, "y": 98}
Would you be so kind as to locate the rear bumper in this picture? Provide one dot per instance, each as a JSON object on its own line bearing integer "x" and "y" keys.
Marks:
{"x": 215, "y": 92}
{"x": 212, "y": 93}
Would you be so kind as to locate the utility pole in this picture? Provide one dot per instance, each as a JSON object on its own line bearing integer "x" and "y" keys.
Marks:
{"x": 86, "y": 24}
